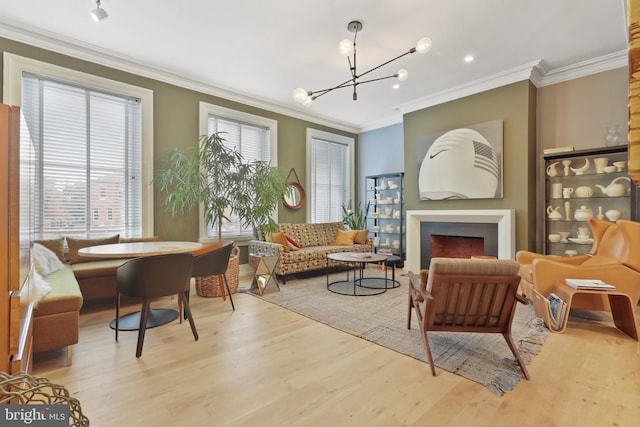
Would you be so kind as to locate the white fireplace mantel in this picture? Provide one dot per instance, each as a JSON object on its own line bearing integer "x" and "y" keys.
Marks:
{"x": 505, "y": 218}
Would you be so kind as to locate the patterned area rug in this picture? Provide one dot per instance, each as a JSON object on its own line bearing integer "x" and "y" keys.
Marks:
{"x": 382, "y": 319}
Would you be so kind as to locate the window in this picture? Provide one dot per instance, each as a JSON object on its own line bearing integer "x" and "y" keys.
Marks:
{"x": 330, "y": 175}
{"x": 253, "y": 136}
{"x": 93, "y": 141}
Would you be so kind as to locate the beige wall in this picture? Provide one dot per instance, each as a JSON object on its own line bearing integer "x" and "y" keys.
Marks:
{"x": 579, "y": 111}
{"x": 515, "y": 105}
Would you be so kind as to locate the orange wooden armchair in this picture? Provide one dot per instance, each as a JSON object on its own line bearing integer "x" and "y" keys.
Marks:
{"x": 466, "y": 295}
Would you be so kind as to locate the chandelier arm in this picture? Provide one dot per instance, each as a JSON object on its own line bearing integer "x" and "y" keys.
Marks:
{"x": 340, "y": 86}
{"x": 379, "y": 78}
{"x": 412, "y": 50}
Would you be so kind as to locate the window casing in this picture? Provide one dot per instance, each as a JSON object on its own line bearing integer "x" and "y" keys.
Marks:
{"x": 93, "y": 140}
{"x": 254, "y": 137}
{"x": 330, "y": 175}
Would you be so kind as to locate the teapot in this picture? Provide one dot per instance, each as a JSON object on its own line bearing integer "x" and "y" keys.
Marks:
{"x": 553, "y": 212}
{"x": 551, "y": 169}
{"x": 614, "y": 189}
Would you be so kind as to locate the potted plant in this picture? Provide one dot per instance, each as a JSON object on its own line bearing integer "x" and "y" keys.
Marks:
{"x": 356, "y": 219}
{"x": 220, "y": 179}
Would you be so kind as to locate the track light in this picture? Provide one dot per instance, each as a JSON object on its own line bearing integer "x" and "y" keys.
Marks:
{"x": 347, "y": 48}
{"x": 98, "y": 14}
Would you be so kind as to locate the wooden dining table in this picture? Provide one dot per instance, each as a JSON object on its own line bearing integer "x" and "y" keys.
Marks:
{"x": 157, "y": 316}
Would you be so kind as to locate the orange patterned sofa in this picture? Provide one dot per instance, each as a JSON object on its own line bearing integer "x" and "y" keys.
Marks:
{"x": 315, "y": 241}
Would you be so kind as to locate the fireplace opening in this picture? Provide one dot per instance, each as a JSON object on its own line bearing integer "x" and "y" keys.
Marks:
{"x": 456, "y": 246}
{"x": 457, "y": 240}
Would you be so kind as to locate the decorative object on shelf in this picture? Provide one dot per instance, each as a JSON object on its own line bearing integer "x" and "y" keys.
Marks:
{"x": 392, "y": 185}
{"x": 463, "y": 163}
{"x": 294, "y": 197}
{"x": 583, "y": 213}
{"x": 610, "y": 169}
{"x": 600, "y": 214}
{"x": 567, "y": 210}
{"x": 383, "y": 185}
{"x": 566, "y": 163}
{"x": 584, "y": 191}
{"x": 600, "y": 163}
{"x": 567, "y": 192}
{"x": 551, "y": 169}
{"x": 583, "y": 232}
{"x": 612, "y": 137}
{"x": 582, "y": 169}
{"x": 553, "y": 213}
{"x": 346, "y": 48}
{"x": 563, "y": 236}
{"x": 556, "y": 190}
{"x": 614, "y": 189}
{"x": 613, "y": 214}
{"x": 554, "y": 237}
{"x": 620, "y": 166}
{"x": 571, "y": 252}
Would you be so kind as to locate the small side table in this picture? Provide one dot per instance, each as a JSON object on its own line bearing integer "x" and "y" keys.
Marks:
{"x": 264, "y": 274}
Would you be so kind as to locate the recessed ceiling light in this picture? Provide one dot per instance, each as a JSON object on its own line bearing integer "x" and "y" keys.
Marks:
{"x": 469, "y": 58}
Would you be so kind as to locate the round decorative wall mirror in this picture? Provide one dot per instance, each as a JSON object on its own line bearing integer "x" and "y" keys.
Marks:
{"x": 294, "y": 197}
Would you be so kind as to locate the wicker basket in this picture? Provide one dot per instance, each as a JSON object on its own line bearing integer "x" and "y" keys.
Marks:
{"x": 212, "y": 286}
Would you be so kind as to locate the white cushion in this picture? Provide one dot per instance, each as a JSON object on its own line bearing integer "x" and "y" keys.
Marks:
{"x": 45, "y": 260}
{"x": 40, "y": 288}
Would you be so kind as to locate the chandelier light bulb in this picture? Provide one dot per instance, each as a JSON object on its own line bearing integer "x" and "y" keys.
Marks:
{"x": 300, "y": 95}
{"x": 403, "y": 74}
{"x": 345, "y": 47}
{"x": 423, "y": 45}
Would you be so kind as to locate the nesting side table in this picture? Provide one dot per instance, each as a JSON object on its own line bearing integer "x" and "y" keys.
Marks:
{"x": 264, "y": 274}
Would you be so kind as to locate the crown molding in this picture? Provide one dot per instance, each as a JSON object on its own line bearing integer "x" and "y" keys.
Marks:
{"x": 91, "y": 53}
{"x": 537, "y": 72}
{"x": 506, "y": 77}
{"x": 585, "y": 68}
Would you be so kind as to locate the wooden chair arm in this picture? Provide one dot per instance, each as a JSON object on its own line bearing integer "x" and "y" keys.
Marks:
{"x": 522, "y": 299}
{"x": 414, "y": 283}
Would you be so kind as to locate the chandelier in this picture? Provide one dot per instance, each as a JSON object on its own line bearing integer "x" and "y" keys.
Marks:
{"x": 346, "y": 48}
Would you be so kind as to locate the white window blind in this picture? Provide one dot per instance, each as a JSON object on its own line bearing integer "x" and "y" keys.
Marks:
{"x": 330, "y": 171}
{"x": 253, "y": 143}
{"x": 88, "y": 158}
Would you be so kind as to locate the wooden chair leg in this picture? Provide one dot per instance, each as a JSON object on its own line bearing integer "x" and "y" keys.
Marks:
{"x": 69, "y": 355}
{"x": 409, "y": 309}
{"x": 516, "y": 353}
{"x": 428, "y": 348}
{"x": 224, "y": 276}
{"x": 187, "y": 311}
{"x": 143, "y": 325}
{"x": 180, "y": 307}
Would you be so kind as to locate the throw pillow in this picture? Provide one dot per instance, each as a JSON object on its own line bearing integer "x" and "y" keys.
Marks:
{"x": 293, "y": 245}
{"x": 280, "y": 238}
{"x": 44, "y": 260}
{"x": 76, "y": 244}
{"x": 54, "y": 245}
{"x": 345, "y": 237}
{"x": 361, "y": 236}
{"x": 40, "y": 288}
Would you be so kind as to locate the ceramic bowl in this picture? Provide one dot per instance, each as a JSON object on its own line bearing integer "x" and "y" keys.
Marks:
{"x": 554, "y": 237}
{"x": 610, "y": 169}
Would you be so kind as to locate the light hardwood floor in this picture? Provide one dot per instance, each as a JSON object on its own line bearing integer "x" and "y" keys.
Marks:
{"x": 266, "y": 366}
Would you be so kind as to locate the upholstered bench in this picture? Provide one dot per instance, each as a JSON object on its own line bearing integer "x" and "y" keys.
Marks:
{"x": 56, "y": 316}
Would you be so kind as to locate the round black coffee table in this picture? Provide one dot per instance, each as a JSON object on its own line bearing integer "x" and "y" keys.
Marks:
{"x": 359, "y": 285}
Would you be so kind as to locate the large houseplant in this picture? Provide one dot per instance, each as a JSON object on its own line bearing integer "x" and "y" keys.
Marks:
{"x": 220, "y": 179}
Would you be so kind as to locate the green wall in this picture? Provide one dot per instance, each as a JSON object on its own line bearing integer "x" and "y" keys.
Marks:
{"x": 176, "y": 126}
{"x": 515, "y": 105}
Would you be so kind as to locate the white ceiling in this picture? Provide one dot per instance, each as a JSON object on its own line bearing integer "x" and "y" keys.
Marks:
{"x": 257, "y": 52}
